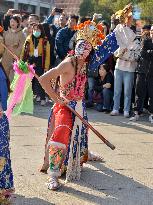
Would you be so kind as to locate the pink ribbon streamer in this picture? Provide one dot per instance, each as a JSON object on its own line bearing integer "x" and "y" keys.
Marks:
{"x": 17, "y": 95}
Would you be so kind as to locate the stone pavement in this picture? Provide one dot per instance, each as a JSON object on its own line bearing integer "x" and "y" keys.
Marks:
{"x": 125, "y": 178}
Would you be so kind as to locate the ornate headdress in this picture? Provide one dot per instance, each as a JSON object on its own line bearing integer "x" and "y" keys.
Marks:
{"x": 122, "y": 15}
{"x": 90, "y": 32}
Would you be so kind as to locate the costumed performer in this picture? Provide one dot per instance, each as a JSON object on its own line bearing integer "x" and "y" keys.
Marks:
{"x": 6, "y": 175}
{"x": 67, "y": 137}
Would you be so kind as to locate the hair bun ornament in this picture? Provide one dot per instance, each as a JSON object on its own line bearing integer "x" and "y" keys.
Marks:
{"x": 1, "y": 29}
{"x": 122, "y": 15}
{"x": 90, "y": 32}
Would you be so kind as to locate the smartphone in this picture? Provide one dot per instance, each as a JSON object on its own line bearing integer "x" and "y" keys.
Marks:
{"x": 56, "y": 20}
{"x": 58, "y": 10}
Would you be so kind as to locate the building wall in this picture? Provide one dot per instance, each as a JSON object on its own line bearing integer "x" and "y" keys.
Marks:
{"x": 41, "y": 7}
{"x": 69, "y": 6}
{"x": 31, "y": 6}
{"x": 5, "y": 5}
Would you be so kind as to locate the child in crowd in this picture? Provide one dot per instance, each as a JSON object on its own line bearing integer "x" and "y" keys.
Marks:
{"x": 104, "y": 86}
{"x": 6, "y": 175}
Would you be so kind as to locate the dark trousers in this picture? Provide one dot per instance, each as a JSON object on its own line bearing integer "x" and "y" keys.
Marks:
{"x": 37, "y": 89}
{"x": 91, "y": 81}
{"x": 144, "y": 84}
{"x": 107, "y": 100}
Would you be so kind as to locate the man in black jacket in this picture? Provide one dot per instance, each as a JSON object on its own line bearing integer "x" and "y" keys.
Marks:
{"x": 144, "y": 80}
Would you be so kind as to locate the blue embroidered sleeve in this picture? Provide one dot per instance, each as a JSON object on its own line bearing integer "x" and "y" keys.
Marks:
{"x": 3, "y": 94}
{"x": 103, "y": 52}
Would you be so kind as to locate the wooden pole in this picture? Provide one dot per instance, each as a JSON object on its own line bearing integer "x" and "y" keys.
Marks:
{"x": 72, "y": 110}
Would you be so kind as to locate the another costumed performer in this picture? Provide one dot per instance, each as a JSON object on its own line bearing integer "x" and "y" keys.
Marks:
{"x": 6, "y": 175}
{"x": 67, "y": 137}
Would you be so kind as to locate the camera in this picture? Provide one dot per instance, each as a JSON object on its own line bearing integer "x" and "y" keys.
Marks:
{"x": 58, "y": 10}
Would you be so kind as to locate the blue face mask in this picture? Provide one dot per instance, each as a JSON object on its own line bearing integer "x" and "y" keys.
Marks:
{"x": 37, "y": 34}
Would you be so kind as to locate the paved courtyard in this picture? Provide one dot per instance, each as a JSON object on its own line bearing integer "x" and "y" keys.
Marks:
{"x": 124, "y": 178}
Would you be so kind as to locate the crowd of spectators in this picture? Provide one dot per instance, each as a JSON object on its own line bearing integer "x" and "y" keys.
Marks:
{"x": 121, "y": 84}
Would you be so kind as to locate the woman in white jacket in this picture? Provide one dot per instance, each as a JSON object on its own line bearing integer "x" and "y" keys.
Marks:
{"x": 125, "y": 68}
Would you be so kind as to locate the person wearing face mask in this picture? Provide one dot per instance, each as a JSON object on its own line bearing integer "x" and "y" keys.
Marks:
{"x": 36, "y": 50}
{"x": 14, "y": 40}
{"x": 50, "y": 33}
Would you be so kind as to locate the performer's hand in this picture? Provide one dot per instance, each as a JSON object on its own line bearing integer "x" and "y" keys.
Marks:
{"x": 107, "y": 85}
{"x": 62, "y": 101}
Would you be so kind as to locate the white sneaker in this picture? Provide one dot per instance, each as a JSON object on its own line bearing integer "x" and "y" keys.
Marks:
{"x": 134, "y": 118}
{"x": 114, "y": 113}
{"x": 37, "y": 99}
{"x": 126, "y": 114}
{"x": 151, "y": 119}
{"x": 43, "y": 103}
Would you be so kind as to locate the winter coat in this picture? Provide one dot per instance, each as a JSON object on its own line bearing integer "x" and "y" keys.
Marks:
{"x": 1, "y": 47}
{"x": 14, "y": 41}
{"x": 145, "y": 63}
{"x": 43, "y": 52}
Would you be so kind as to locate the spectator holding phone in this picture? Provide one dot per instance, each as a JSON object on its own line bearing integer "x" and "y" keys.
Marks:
{"x": 36, "y": 50}
{"x": 62, "y": 18}
{"x": 64, "y": 36}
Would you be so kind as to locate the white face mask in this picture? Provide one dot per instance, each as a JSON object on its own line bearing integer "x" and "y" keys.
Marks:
{"x": 37, "y": 34}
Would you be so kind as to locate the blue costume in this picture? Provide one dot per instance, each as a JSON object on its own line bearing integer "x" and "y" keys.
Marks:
{"x": 6, "y": 175}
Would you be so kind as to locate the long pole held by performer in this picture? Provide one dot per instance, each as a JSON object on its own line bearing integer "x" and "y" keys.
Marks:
{"x": 72, "y": 110}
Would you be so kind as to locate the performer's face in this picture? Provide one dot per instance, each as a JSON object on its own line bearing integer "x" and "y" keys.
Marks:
{"x": 83, "y": 49}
